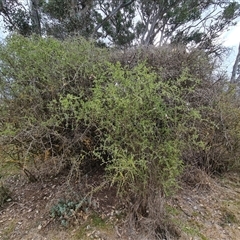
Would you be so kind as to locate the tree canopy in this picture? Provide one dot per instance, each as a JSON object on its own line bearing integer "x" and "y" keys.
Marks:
{"x": 123, "y": 23}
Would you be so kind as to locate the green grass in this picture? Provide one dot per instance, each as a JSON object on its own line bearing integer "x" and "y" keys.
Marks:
{"x": 93, "y": 224}
{"x": 193, "y": 231}
{"x": 228, "y": 217}
{"x": 7, "y": 169}
{"x": 6, "y": 232}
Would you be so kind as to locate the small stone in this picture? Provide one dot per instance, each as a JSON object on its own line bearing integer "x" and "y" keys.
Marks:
{"x": 117, "y": 212}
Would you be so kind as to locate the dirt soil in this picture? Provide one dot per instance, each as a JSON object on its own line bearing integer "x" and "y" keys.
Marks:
{"x": 208, "y": 210}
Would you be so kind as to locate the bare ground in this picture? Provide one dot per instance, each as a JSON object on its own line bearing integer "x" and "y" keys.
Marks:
{"x": 207, "y": 210}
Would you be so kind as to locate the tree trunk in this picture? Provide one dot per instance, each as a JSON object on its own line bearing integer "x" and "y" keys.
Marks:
{"x": 35, "y": 16}
{"x": 235, "y": 72}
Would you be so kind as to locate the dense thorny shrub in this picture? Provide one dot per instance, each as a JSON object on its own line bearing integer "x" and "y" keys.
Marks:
{"x": 76, "y": 102}
{"x": 214, "y": 144}
{"x": 141, "y": 121}
{"x": 223, "y": 146}
{"x": 217, "y": 133}
{"x": 34, "y": 73}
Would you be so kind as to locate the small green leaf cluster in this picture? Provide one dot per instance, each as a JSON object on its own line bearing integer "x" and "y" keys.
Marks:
{"x": 65, "y": 211}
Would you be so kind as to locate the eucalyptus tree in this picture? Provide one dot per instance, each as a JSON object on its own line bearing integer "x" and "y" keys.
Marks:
{"x": 195, "y": 22}
{"x": 125, "y": 23}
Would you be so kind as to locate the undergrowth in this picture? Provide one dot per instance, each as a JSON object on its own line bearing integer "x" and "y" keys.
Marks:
{"x": 70, "y": 105}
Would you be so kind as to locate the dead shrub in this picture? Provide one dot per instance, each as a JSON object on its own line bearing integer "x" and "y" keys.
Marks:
{"x": 197, "y": 179}
{"x": 168, "y": 61}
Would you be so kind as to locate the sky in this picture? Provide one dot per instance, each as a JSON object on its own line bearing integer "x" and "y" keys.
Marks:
{"x": 231, "y": 39}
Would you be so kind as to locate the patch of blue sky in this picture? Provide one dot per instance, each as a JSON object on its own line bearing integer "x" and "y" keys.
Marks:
{"x": 231, "y": 40}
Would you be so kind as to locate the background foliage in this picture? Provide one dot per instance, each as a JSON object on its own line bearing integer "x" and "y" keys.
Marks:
{"x": 123, "y": 24}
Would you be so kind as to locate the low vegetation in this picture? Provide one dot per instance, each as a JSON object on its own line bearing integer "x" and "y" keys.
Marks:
{"x": 139, "y": 118}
